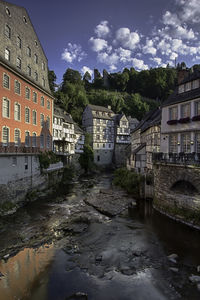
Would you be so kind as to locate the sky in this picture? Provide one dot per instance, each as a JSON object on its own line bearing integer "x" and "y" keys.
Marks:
{"x": 116, "y": 34}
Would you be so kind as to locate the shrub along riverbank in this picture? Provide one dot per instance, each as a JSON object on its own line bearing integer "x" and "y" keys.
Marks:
{"x": 131, "y": 181}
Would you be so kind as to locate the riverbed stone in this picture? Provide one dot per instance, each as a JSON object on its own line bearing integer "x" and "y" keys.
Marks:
{"x": 175, "y": 270}
{"x": 194, "y": 278}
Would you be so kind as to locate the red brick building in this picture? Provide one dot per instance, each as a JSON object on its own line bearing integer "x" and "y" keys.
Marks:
{"x": 26, "y": 103}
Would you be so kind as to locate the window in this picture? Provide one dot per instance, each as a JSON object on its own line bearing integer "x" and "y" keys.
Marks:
{"x": 28, "y": 51}
{"x": 27, "y": 138}
{"x": 19, "y": 42}
{"x": 98, "y": 137}
{"x": 41, "y": 120}
{"x": 43, "y": 66}
{"x": 27, "y": 93}
{"x": 43, "y": 82}
{"x": 36, "y": 43}
{"x": 42, "y": 141}
{"x": 17, "y": 137}
{"x": 173, "y": 143}
{"x": 42, "y": 101}
{"x": 173, "y": 113}
{"x": 48, "y": 141}
{"x": 26, "y": 162}
{"x": 19, "y": 62}
{"x": 36, "y": 76}
{"x": 188, "y": 86}
{"x": 98, "y": 121}
{"x": 7, "y": 54}
{"x": 8, "y": 11}
{"x": 124, "y": 123}
{"x": 185, "y": 110}
{"x": 48, "y": 104}
{"x": 25, "y": 20}
{"x": 17, "y": 112}
{"x": 34, "y": 139}
{"x": 48, "y": 122}
{"x": 181, "y": 88}
{"x": 185, "y": 142}
{"x": 34, "y": 97}
{"x": 197, "y": 142}
{"x": 98, "y": 128}
{"x": 197, "y": 108}
{"x": 6, "y": 108}
{"x": 29, "y": 70}
{"x": 7, "y": 31}
{"x": 34, "y": 117}
{"x": 35, "y": 58}
{"x": 27, "y": 115}
{"x": 5, "y": 135}
{"x": 103, "y": 145}
{"x": 195, "y": 84}
{"x": 6, "y": 81}
{"x": 17, "y": 87}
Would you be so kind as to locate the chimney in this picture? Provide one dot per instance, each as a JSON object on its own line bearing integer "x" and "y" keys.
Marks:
{"x": 182, "y": 74}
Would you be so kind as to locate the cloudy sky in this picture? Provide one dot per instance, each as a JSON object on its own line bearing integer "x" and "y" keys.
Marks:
{"x": 114, "y": 34}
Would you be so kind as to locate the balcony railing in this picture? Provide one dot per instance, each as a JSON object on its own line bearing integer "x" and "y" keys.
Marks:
{"x": 177, "y": 158}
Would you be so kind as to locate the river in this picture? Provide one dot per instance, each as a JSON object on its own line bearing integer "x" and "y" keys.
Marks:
{"x": 62, "y": 248}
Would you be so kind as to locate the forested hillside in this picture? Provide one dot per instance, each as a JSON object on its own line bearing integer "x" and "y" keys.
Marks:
{"x": 130, "y": 91}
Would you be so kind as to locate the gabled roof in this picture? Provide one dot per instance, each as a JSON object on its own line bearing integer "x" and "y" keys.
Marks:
{"x": 118, "y": 118}
{"x": 77, "y": 129}
{"x": 59, "y": 112}
{"x": 100, "y": 108}
{"x": 152, "y": 118}
{"x": 176, "y": 97}
{"x": 139, "y": 148}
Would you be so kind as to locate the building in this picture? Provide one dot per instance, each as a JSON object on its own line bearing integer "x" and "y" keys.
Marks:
{"x": 180, "y": 131}
{"x": 145, "y": 141}
{"x": 99, "y": 122}
{"x": 79, "y": 139}
{"x": 122, "y": 139}
{"x": 176, "y": 167}
{"x": 63, "y": 133}
{"x": 26, "y": 105}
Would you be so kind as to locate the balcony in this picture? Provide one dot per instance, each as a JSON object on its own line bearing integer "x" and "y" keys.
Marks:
{"x": 177, "y": 158}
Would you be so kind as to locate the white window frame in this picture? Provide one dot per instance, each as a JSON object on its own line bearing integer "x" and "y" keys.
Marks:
{"x": 42, "y": 121}
{"x": 17, "y": 86}
{"x": 48, "y": 104}
{"x": 8, "y": 139}
{"x": 29, "y": 93}
{"x": 34, "y": 97}
{"x": 7, "y": 54}
{"x": 27, "y": 109}
{"x": 34, "y": 111}
{"x": 18, "y": 113}
{"x": 7, "y": 31}
{"x": 42, "y": 101}
{"x": 34, "y": 139}
{"x": 17, "y": 143}
{"x": 173, "y": 113}
{"x": 5, "y": 87}
{"x": 19, "y": 62}
{"x": 7, "y": 115}
{"x": 25, "y": 140}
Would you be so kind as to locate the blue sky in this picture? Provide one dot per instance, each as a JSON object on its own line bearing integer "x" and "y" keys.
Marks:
{"x": 114, "y": 34}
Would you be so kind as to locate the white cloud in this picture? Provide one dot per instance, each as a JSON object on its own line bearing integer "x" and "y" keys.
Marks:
{"x": 149, "y": 48}
{"x": 170, "y": 19}
{"x": 98, "y": 45}
{"x": 157, "y": 60}
{"x": 139, "y": 64}
{"x": 102, "y": 30}
{"x": 173, "y": 56}
{"x": 108, "y": 59}
{"x": 86, "y": 69}
{"x": 112, "y": 68}
{"x": 73, "y": 52}
{"x": 124, "y": 54}
{"x": 189, "y": 10}
{"x": 126, "y": 38}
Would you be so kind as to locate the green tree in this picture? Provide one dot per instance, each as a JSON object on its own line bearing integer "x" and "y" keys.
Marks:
{"x": 52, "y": 79}
{"x": 86, "y": 158}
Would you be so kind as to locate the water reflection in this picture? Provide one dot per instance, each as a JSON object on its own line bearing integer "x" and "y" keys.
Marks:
{"x": 21, "y": 271}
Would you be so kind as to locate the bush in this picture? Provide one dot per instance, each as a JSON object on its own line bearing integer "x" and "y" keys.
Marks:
{"x": 129, "y": 180}
{"x": 46, "y": 158}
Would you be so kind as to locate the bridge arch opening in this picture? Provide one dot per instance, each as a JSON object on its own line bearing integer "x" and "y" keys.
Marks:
{"x": 184, "y": 187}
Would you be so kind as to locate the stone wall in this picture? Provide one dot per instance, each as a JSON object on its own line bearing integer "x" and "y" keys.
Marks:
{"x": 177, "y": 190}
{"x": 120, "y": 155}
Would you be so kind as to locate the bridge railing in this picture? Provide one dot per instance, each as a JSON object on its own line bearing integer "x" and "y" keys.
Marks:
{"x": 180, "y": 158}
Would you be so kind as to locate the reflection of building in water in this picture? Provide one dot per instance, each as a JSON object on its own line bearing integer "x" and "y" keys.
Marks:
{"x": 21, "y": 271}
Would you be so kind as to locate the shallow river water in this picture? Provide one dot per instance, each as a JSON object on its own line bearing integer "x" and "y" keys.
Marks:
{"x": 119, "y": 258}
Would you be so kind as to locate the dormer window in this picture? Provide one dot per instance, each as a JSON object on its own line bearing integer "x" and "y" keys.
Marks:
{"x": 181, "y": 88}
{"x": 7, "y": 31}
{"x": 8, "y": 11}
{"x": 36, "y": 58}
{"x": 19, "y": 42}
{"x": 195, "y": 84}
{"x": 188, "y": 86}
{"x": 25, "y": 20}
{"x": 28, "y": 51}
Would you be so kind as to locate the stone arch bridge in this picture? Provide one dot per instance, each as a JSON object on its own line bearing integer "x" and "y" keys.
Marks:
{"x": 177, "y": 188}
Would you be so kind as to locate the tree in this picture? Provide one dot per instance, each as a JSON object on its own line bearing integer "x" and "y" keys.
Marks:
{"x": 72, "y": 76}
{"x": 52, "y": 79}
{"x": 86, "y": 158}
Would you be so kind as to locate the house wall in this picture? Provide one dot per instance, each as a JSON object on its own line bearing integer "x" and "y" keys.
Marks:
{"x": 103, "y": 157}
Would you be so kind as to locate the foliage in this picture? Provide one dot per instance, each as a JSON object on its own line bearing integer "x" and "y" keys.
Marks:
{"x": 46, "y": 158}
{"x": 86, "y": 158}
{"x": 52, "y": 79}
{"x": 128, "y": 180}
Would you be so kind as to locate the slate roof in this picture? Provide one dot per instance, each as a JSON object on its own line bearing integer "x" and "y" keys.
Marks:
{"x": 59, "y": 112}
{"x": 77, "y": 129}
{"x": 100, "y": 108}
{"x": 139, "y": 148}
{"x": 175, "y": 97}
{"x": 152, "y": 118}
